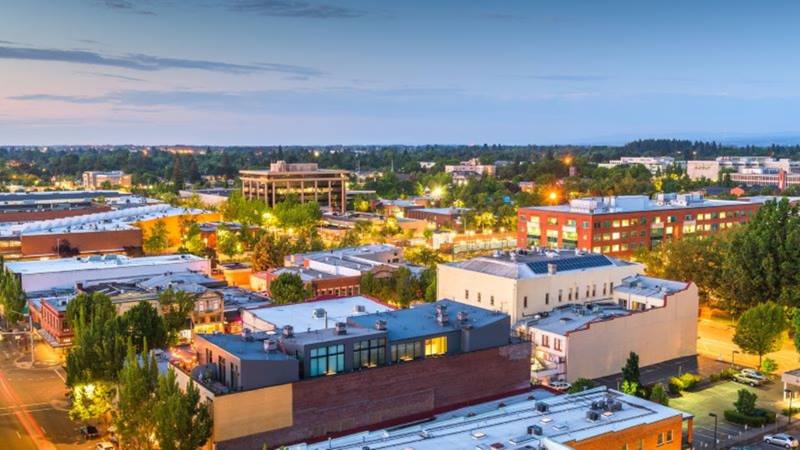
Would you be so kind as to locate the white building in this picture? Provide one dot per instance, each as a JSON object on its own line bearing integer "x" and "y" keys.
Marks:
{"x": 309, "y": 316}
{"x": 655, "y": 318}
{"x": 350, "y": 261}
{"x": 473, "y": 166}
{"x": 67, "y": 272}
{"x": 710, "y": 169}
{"x": 655, "y": 164}
{"x": 524, "y": 283}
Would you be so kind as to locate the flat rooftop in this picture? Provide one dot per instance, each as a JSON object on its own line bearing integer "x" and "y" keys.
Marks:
{"x": 96, "y": 262}
{"x": 330, "y": 335}
{"x": 643, "y": 286}
{"x": 444, "y": 211}
{"x": 536, "y": 263}
{"x": 571, "y": 317}
{"x": 245, "y": 349}
{"x": 420, "y": 320}
{"x": 302, "y": 316}
{"x": 565, "y": 420}
{"x": 639, "y": 203}
{"x": 55, "y": 196}
{"x": 306, "y": 274}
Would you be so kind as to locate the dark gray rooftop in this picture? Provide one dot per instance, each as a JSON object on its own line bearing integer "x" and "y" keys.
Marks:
{"x": 244, "y": 349}
{"x": 420, "y": 321}
{"x": 57, "y": 195}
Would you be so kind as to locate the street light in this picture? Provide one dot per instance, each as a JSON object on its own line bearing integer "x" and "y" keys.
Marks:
{"x": 733, "y": 355}
{"x": 714, "y": 415}
{"x": 790, "y": 393}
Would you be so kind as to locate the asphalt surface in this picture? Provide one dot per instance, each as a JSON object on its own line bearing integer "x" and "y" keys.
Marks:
{"x": 33, "y": 407}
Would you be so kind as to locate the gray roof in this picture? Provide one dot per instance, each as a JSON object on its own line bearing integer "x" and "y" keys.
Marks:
{"x": 528, "y": 264}
{"x": 244, "y": 349}
{"x": 420, "y": 321}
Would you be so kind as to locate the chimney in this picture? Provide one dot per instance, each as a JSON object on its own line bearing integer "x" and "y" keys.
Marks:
{"x": 552, "y": 268}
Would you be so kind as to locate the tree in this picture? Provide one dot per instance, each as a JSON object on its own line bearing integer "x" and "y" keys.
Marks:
{"x": 659, "y": 395}
{"x": 138, "y": 380}
{"x": 745, "y": 402}
{"x": 64, "y": 250}
{"x": 176, "y": 306}
{"x": 762, "y": 262}
{"x": 269, "y": 252}
{"x": 288, "y": 288}
{"x": 769, "y": 366}
{"x": 181, "y": 421}
{"x": 228, "y": 242}
{"x": 760, "y": 329}
{"x": 580, "y": 385}
{"x": 405, "y": 286}
{"x": 177, "y": 173}
{"x": 98, "y": 349}
{"x": 12, "y": 297}
{"x": 158, "y": 238}
{"x": 191, "y": 239}
{"x": 630, "y": 387}
{"x": 142, "y": 324}
{"x": 630, "y": 372}
{"x": 91, "y": 400}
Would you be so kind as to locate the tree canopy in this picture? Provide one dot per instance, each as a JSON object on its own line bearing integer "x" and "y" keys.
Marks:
{"x": 760, "y": 329}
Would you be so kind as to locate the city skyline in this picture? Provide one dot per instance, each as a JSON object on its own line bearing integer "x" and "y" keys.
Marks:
{"x": 260, "y": 72}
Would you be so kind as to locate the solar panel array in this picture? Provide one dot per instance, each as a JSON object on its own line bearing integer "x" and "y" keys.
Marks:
{"x": 574, "y": 263}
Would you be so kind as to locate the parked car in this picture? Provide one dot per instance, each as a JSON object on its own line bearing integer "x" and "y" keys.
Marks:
{"x": 753, "y": 373}
{"x": 90, "y": 432}
{"x": 746, "y": 379}
{"x": 559, "y": 385}
{"x": 781, "y": 439}
{"x": 105, "y": 445}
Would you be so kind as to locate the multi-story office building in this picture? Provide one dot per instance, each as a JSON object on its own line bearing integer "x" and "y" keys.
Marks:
{"x": 473, "y": 166}
{"x": 307, "y": 182}
{"x": 656, "y": 319}
{"x": 524, "y": 283}
{"x": 370, "y": 370}
{"x": 98, "y": 180}
{"x": 619, "y": 225}
{"x": 710, "y": 169}
{"x": 655, "y": 164}
{"x": 595, "y": 419}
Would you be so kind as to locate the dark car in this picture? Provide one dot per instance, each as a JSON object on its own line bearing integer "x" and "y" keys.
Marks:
{"x": 89, "y": 432}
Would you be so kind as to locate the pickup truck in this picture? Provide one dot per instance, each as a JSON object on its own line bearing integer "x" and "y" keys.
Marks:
{"x": 747, "y": 379}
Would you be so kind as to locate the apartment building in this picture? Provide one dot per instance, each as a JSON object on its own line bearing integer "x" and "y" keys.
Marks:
{"x": 98, "y": 180}
{"x": 524, "y": 283}
{"x": 392, "y": 367}
{"x": 655, "y": 318}
{"x": 596, "y": 419}
{"x": 619, "y": 225}
{"x": 306, "y": 181}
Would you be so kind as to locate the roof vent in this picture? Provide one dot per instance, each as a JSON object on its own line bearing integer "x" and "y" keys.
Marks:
{"x": 535, "y": 430}
{"x": 359, "y": 308}
{"x": 341, "y": 328}
{"x": 288, "y": 331}
{"x": 380, "y": 325}
{"x": 270, "y": 345}
{"x": 462, "y": 316}
{"x": 319, "y": 313}
{"x": 542, "y": 407}
{"x": 592, "y": 416}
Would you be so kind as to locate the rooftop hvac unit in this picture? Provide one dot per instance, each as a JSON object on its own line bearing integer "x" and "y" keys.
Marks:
{"x": 380, "y": 325}
{"x": 592, "y": 416}
{"x": 359, "y": 308}
{"x": 615, "y": 406}
{"x": 318, "y": 313}
{"x": 462, "y": 316}
{"x": 598, "y": 405}
{"x": 341, "y": 328}
{"x": 542, "y": 407}
{"x": 288, "y": 331}
{"x": 535, "y": 430}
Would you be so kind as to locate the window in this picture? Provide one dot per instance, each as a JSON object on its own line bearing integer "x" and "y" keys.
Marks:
{"x": 491, "y": 300}
{"x": 594, "y": 290}
{"x": 557, "y": 344}
{"x": 407, "y": 351}
{"x": 466, "y": 294}
{"x": 604, "y": 288}
{"x": 615, "y": 224}
{"x": 585, "y": 224}
{"x": 569, "y": 294}
{"x": 626, "y": 223}
{"x": 669, "y": 435}
{"x": 660, "y": 439}
{"x": 560, "y": 295}
{"x": 326, "y": 360}
{"x": 479, "y": 297}
{"x": 623, "y": 447}
{"x": 525, "y": 302}
{"x": 640, "y": 444}
{"x": 371, "y": 353}
{"x": 545, "y": 341}
{"x": 552, "y": 221}
{"x": 436, "y": 346}
{"x": 546, "y": 298}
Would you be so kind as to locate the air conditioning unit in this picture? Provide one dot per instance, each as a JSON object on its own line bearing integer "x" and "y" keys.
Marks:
{"x": 592, "y": 416}
{"x": 535, "y": 430}
{"x": 615, "y": 406}
{"x": 542, "y": 407}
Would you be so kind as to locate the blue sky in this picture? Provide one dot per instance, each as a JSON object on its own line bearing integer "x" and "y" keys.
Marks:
{"x": 258, "y": 72}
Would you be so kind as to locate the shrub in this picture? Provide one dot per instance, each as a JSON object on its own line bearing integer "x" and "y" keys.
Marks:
{"x": 674, "y": 386}
{"x": 745, "y": 404}
{"x": 733, "y": 416}
{"x": 769, "y": 366}
{"x": 581, "y": 384}
{"x": 728, "y": 373}
{"x": 684, "y": 382}
{"x": 794, "y": 411}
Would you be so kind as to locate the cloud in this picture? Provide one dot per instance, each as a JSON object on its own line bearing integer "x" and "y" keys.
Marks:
{"x": 147, "y": 63}
{"x": 110, "y": 75}
{"x": 294, "y": 8}
{"x": 126, "y": 6}
{"x": 568, "y": 77}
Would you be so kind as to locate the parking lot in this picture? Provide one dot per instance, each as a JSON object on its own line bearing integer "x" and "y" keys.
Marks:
{"x": 717, "y": 399}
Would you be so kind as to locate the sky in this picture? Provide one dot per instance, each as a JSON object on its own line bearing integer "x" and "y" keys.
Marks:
{"x": 307, "y": 72}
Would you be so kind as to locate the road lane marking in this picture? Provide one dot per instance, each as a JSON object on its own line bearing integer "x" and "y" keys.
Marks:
{"x": 18, "y": 435}
{"x": 59, "y": 375}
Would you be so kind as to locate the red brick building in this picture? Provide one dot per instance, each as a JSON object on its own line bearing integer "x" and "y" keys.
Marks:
{"x": 321, "y": 284}
{"x": 50, "y": 314}
{"x": 620, "y": 225}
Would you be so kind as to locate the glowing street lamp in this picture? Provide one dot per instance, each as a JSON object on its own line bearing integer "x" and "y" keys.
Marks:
{"x": 552, "y": 196}
{"x": 437, "y": 192}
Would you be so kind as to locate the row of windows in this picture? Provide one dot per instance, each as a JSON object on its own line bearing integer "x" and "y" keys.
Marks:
{"x": 661, "y": 439}
{"x": 623, "y": 223}
{"x": 349, "y": 291}
{"x": 545, "y": 341}
{"x": 466, "y": 297}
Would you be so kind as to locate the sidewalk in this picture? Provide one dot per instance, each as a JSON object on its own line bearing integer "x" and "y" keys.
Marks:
{"x": 750, "y": 435}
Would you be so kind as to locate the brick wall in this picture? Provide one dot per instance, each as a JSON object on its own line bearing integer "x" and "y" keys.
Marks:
{"x": 379, "y": 397}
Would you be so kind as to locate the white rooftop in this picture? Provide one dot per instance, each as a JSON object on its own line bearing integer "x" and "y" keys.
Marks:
{"x": 537, "y": 263}
{"x": 301, "y": 316}
{"x": 120, "y": 219}
{"x": 95, "y": 262}
{"x": 565, "y": 420}
{"x": 639, "y": 203}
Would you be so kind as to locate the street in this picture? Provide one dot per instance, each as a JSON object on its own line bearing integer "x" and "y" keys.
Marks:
{"x": 33, "y": 407}
{"x": 715, "y": 341}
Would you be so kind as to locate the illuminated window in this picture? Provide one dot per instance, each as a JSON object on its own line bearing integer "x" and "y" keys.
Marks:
{"x": 626, "y": 223}
{"x": 436, "y": 346}
{"x": 407, "y": 351}
{"x": 326, "y": 360}
{"x": 615, "y": 236}
{"x": 552, "y": 221}
{"x": 615, "y": 224}
{"x": 371, "y": 353}
{"x": 615, "y": 248}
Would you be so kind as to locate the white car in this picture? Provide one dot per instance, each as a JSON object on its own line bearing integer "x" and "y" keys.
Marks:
{"x": 560, "y": 385}
{"x": 105, "y": 445}
{"x": 753, "y": 373}
{"x": 781, "y": 439}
